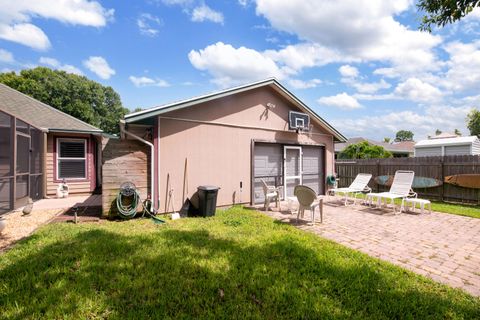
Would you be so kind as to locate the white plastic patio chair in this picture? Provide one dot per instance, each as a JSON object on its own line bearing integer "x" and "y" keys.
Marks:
{"x": 358, "y": 186}
{"x": 401, "y": 189}
{"x": 271, "y": 193}
{"x": 307, "y": 199}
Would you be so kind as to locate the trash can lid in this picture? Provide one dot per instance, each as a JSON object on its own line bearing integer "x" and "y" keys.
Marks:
{"x": 208, "y": 188}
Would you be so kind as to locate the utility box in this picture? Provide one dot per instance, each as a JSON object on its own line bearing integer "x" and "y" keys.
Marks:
{"x": 207, "y": 196}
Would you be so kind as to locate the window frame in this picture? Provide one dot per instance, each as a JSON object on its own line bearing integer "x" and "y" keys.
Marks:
{"x": 59, "y": 158}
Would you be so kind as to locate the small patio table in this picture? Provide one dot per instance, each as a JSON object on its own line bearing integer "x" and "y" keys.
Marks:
{"x": 421, "y": 202}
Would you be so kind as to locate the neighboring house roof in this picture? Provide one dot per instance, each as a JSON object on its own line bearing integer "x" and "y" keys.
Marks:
{"x": 446, "y": 141}
{"x": 444, "y": 135}
{"x": 400, "y": 147}
{"x": 273, "y": 83}
{"x": 39, "y": 114}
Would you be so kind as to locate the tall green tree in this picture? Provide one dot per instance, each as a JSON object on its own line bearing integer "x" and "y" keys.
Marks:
{"x": 364, "y": 150}
{"x": 404, "y": 135}
{"x": 442, "y": 12}
{"x": 438, "y": 132}
{"x": 75, "y": 95}
{"x": 473, "y": 122}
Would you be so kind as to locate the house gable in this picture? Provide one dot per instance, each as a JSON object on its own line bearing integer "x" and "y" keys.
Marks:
{"x": 147, "y": 116}
{"x": 261, "y": 108}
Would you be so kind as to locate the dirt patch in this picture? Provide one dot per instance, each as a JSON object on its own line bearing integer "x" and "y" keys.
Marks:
{"x": 20, "y": 226}
{"x": 84, "y": 214}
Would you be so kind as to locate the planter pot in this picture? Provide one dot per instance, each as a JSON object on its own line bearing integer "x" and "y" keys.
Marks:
{"x": 3, "y": 224}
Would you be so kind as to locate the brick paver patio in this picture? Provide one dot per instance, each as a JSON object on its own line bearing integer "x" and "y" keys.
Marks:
{"x": 444, "y": 247}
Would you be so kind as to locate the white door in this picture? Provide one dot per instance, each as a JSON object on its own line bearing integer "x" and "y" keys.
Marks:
{"x": 292, "y": 173}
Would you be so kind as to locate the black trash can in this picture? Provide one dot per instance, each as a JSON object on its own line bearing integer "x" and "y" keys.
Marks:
{"x": 207, "y": 196}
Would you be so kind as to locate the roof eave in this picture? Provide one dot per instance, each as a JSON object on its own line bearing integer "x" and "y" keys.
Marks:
{"x": 94, "y": 132}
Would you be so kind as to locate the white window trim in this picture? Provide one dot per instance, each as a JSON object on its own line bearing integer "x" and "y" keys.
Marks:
{"x": 60, "y": 158}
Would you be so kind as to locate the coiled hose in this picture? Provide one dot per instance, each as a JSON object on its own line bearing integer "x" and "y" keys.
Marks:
{"x": 129, "y": 210}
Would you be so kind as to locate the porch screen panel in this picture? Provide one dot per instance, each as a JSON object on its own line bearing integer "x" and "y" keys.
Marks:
{"x": 5, "y": 145}
{"x": 6, "y": 163}
{"x": 5, "y": 195}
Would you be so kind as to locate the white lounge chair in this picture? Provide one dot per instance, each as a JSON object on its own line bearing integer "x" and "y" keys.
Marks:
{"x": 401, "y": 189}
{"x": 358, "y": 186}
{"x": 271, "y": 193}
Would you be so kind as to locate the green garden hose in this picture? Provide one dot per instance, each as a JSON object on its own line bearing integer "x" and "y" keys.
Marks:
{"x": 130, "y": 210}
{"x": 127, "y": 192}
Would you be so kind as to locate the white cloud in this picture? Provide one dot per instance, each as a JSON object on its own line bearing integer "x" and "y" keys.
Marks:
{"x": 26, "y": 34}
{"x": 348, "y": 71}
{"x": 421, "y": 123}
{"x": 205, "y": 13}
{"x": 149, "y": 24}
{"x": 99, "y": 66}
{"x": 341, "y": 101}
{"x": 6, "y": 56}
{"x": 464, "y": 66}
{"x": 350, "y": 76}
{"x": 369, "y": 87}
{"x": 367, "y": 30}
{"x": 301, "y": 84}
{"x": 305, "y": 55}
{"x": 147, "y": 82}
{"x": 229, "y": 65}
{"x": 244, "y": 3}
{"x": 180, "y": 2}
{"x": 54, "y": 63}
{"x": 15, "y": 18}
{"x": 416, "y": 90}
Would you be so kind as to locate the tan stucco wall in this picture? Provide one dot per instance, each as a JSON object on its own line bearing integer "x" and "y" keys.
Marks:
{"x": 221, "y": 155}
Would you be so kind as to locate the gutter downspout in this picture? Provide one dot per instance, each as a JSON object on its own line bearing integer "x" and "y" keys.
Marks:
{"x": 152, "y": 153}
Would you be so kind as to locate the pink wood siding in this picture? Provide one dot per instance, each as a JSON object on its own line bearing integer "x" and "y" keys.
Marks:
{"x": 76, "y": 186}
{"x": 221, "y": 155}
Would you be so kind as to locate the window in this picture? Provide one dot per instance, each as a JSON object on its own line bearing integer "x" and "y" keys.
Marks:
{"x": 71, "y": 158}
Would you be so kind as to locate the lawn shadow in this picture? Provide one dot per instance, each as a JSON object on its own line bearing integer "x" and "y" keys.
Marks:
{"x": 174, "y": 273}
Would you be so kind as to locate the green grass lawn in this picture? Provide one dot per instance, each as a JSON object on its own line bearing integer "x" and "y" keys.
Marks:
{"x": 467, "y": 210}
{"x": 459, "y": 209}
{"x": 239, "y": 264}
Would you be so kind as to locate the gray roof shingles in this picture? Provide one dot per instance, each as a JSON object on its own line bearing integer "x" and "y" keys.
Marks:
{"x": 39, "y": 114}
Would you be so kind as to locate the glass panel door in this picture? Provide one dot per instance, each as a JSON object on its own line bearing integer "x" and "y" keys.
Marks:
{"x": 292, "y": 169}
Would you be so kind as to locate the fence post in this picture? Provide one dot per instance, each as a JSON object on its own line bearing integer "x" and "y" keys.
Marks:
{"x": 442, "y": 175}
{"x": 378, "y": 173}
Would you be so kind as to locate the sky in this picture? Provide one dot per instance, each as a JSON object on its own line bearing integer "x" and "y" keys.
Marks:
{"x": 362, "y": 65}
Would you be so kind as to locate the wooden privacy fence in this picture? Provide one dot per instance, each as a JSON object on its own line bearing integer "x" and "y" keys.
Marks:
{"x": 428, "y": 167}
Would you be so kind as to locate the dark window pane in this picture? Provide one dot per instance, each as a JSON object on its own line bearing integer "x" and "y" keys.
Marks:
{"x": 5, "y": 205}
{"x": 71, "y": 169}
{"x": 72, "y": 149}
{"x": 36, "y": 187}
{"x": 22, "y": 126}
{"x": 37, "y": 151}
{"x": 22, "y": 186}
{"x": 5, "y": 145}
{"x": 23, "y": 154}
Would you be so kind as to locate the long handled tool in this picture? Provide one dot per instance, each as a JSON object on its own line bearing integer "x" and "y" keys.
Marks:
{"x": 175, "y": 215}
